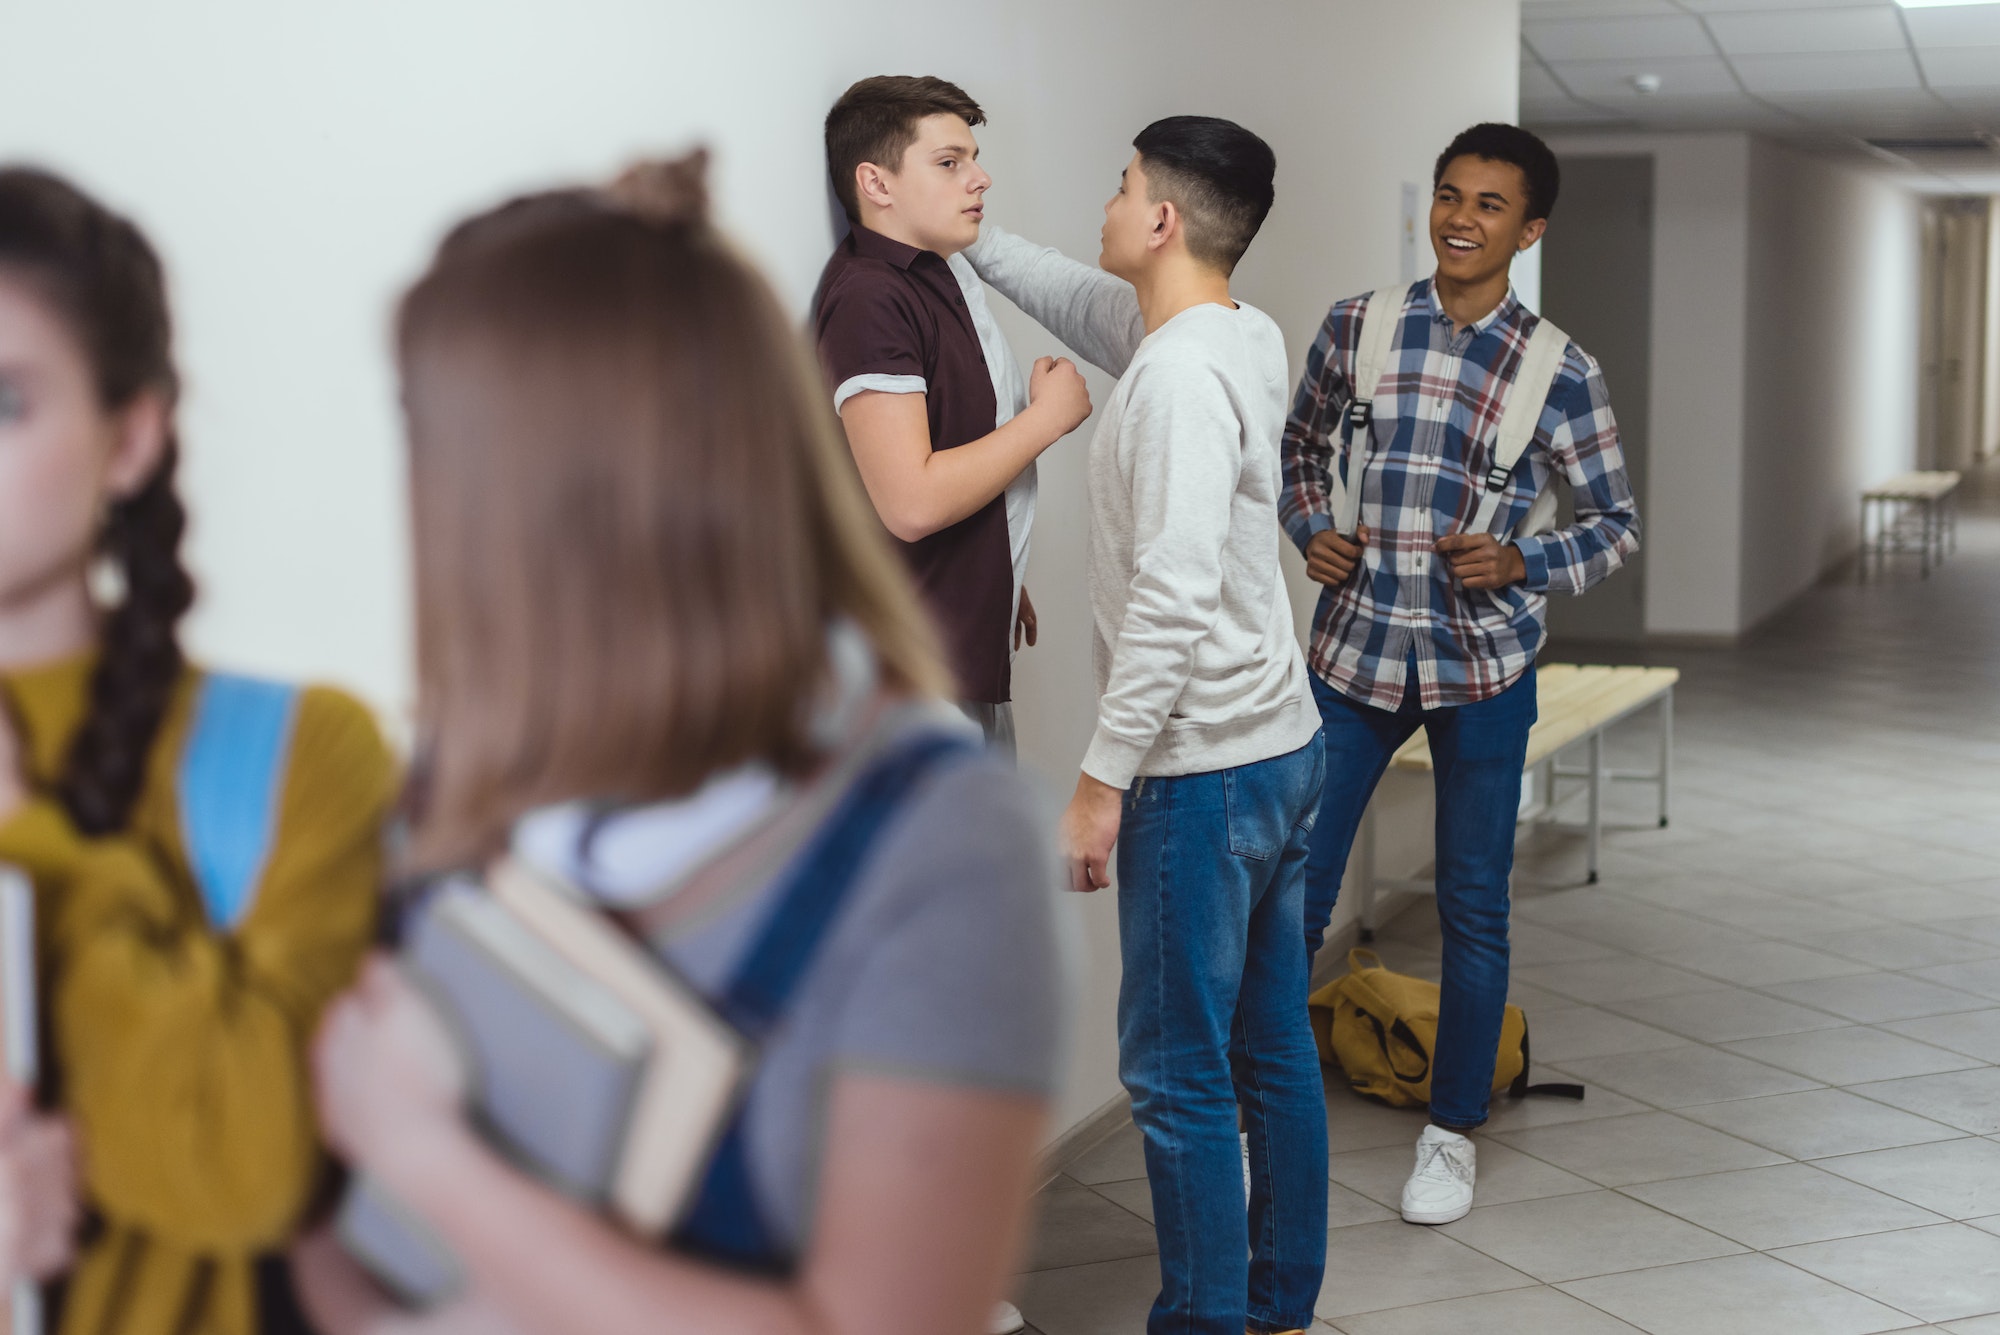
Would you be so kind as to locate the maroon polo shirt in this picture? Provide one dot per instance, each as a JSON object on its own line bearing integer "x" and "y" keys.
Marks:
{"x": 885, "y": 308}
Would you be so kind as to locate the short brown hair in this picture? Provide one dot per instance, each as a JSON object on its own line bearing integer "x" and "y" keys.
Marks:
{"x": 876, "y": 121}
{"x": 633, "y": 520}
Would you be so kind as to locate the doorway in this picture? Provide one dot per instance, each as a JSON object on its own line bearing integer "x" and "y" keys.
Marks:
{"x": 1597, "y": 284}
{"x": 1961, "y": 348}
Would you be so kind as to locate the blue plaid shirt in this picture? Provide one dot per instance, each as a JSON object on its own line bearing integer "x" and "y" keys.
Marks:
{"x": 1437, "y": 419}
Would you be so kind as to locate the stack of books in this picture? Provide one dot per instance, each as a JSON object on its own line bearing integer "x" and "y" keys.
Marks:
{"x": 592, "y": 1066}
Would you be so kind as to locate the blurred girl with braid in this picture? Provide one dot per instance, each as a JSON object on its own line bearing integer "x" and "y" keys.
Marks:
{"x": 174, "y": 1047}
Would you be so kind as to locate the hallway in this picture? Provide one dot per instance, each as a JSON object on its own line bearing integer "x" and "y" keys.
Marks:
{"x": 1786, "y": 1008}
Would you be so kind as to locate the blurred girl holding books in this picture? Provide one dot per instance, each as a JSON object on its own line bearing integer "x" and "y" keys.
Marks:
{"x": 176, "y": 1018}
{"x": 667, "y": 661}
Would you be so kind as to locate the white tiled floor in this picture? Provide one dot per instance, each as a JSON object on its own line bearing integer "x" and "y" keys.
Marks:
{"x": 1786, "y": 1006}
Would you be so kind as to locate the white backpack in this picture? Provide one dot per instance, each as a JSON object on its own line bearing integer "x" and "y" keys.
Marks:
{"x": 1519, "y": 415}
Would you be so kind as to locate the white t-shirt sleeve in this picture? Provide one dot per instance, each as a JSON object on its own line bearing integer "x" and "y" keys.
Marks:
{"x": 885, "y": 384}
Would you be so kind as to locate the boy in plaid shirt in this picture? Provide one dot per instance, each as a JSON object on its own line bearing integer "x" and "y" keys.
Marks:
{"x": 1425, "y": 625}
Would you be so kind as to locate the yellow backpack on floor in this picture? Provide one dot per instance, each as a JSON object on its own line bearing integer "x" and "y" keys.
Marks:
{"x": 1381, "y": 1028}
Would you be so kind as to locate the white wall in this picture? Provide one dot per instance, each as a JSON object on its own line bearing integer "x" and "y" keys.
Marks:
{"x": 1833, "y": 367}
{"x": 296, "y": 164}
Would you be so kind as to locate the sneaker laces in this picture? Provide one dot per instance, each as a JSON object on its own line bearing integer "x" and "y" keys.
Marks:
{"x": 1430, "y": 1152}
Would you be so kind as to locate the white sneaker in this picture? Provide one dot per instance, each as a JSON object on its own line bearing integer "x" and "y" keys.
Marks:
{"x": 1006, "y": 1319}
{"x": 1440, "y": 1190}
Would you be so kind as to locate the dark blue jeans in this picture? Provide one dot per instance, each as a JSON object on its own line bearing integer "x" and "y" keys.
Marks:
{"x": 1477, "y": 752}
{"x": 1212, "y": 1017}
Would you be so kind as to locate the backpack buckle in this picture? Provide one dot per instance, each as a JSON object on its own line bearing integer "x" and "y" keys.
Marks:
{"x": 1360, "y": 414}
{"x": 1496, "y": 478}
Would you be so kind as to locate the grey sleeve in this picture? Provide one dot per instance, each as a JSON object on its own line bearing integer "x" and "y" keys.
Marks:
{"x": 964, "y": 982}
{"x": 1087, "y": 308}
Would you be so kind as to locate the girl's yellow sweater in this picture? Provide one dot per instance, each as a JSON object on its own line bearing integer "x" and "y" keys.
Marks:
{"x": 180, "y": 1050}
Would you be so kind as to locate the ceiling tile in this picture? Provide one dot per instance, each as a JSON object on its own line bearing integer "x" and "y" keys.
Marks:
{"x": 1595, "y": 9}
{"x": 1713, "y": 113}
{"x": 1612, "y": 39}
{"x": 1801, "y": 30}
{"x": 1967, "y": 25}
{"x": 1880, "y": 113}
{"x": 1611, "y": 80}
{"x": 1973, "y": 67}
{"x": 1742, "y": 6}
{"x": 1828, "y": 72}
{"x": 1570, "y": 115}
{"x": 1537, "y": 83}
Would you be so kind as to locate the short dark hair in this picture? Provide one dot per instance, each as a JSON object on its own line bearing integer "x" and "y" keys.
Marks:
{"x": 1218, "y": 174}
{"x": 876, "y": 121}
{"x": 1496, "y": 142}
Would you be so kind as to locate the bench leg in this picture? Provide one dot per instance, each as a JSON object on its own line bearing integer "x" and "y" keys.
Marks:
{"x": 1861, "y": 555}
{"x": 1368, "y": 874}
{"x": 1666, "y": 757}
{"x": 1596, "y": 798}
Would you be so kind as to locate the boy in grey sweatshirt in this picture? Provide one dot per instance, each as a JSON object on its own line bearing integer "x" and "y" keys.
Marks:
{"x": 1206, "y": 763}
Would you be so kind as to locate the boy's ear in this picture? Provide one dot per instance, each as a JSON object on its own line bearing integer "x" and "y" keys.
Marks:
{"x": 1166, "y": 225}
{"x": 1533, "y": 233}
{"x": 874, "y": 185}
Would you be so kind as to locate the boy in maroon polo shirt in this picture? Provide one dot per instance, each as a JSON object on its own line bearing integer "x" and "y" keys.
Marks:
{"x": 943, "y": 428}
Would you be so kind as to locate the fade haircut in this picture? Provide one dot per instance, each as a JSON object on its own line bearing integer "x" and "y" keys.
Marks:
{"x": 1218, "y": 174}
{"x": 1511, "y": 144}
{"x": 876, "y": 121}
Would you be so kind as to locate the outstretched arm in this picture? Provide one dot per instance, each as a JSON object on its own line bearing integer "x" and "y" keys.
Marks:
{"x": 1085, "y": 307}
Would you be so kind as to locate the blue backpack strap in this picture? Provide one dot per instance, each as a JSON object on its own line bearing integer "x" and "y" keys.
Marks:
{"x": 724, "y": 1224}
{"x": 231, "y": 777}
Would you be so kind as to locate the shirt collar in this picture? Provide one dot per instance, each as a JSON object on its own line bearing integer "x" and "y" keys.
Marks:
{"x": 1506, "y": 310}
{"x": 875, "y": 246}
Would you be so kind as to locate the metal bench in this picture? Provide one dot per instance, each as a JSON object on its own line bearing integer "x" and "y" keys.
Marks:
{"x": 1574, "y": 705}
{"x": 1913, "y": 512}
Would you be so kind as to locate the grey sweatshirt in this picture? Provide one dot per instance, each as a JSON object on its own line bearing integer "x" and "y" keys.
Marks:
{"x": 1198, "y": 668}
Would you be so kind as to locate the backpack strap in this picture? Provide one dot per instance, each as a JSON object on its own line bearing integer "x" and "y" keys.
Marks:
{"x": 724, "y": 1223}
{"x": 1379, "y": 318}
{"x": 1541, "y": 362}
{"x": 232, "y": 773}
{"x": 1552, "y": 1088}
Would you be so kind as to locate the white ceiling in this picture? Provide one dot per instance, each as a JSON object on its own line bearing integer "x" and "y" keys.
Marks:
{"x": 1832, "y": 72}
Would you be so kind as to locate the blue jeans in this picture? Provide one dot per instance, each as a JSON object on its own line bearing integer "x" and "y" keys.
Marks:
{"x": 1212, "y": 1017}
{"x": 1477, "y": 752}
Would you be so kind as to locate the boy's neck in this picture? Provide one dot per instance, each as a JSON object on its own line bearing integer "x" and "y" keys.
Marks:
{"x": 1178, "y": 284}
{"x": 885, "y": 223}
{"x": 1469, "y": 303}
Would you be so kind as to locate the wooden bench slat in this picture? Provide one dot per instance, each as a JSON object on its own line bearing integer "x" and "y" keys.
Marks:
{"x": 1571, "y": 702}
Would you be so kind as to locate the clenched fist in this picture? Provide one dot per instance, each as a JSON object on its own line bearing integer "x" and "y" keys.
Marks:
{"x": 1331, "y": 559}
{"x": 1056, "y": 387}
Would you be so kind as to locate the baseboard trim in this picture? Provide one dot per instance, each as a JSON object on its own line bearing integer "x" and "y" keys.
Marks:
{"x": 1064, "y": 1152}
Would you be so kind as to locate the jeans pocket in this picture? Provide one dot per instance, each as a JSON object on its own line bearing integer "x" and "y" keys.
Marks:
{"x": 1254, "y": 813}
{"x": 1315, "y": 785}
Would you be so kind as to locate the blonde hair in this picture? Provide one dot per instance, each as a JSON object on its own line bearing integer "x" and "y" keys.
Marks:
{"x": 633, "y": 520}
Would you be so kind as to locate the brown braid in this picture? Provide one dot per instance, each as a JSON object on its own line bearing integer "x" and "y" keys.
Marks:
{"x": 102, "y": 276}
